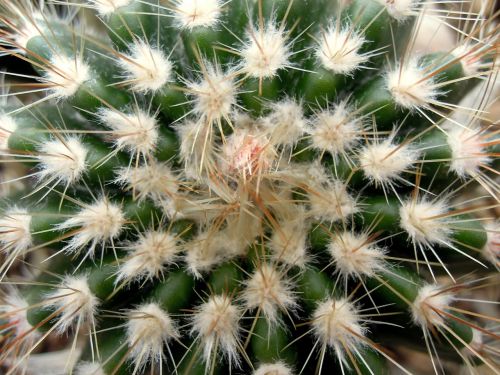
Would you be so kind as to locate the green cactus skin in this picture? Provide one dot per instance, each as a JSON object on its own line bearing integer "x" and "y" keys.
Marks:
{"x": 246, "y": 186}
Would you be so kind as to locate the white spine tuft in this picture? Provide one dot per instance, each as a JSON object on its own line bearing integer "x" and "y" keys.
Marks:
{"x": 89, "y": 368}
{"x": 149, "y": 256}
{"x": 137, "y": 132}
{"x": 337, "y": 324}
{"x": 215, "y": 95}
{"x": 77, "y": 303}
{"x": 329, "y": 199}
{"x": 412, "y": 86}
{"x": 7, "y": 126}
{"x": 147, "y": 69}
{"x": 336, "y": 130}
{"x": 66, "y": 75}
{"x": 107, "y": 7}
{"x": 400, "y": 10}
{"x": 338, "y": 50}
{"x": 15, "y": 230}
{"x": 101, "y": 222}
{"x": 430, "y": 300}
{"x": 207, "y": 250}
{"x": 286, "y": 123}
{"x": 384, "y": 162}
{"x": 355, "y": 255}
{"x": 270, "y": 291}
{"x": 246, "y": 153}
{"x": 278, "y": 368}
{"x": 194, "y": 13}
{"x": 424, "y": 221}
{"x": 289, "y": 241}
{"x": 15, "y": 308}
{"x": 149, "y": 328}
{"x": 468, "y": 153}
{"x": 154, "y": 180}
{"x": 62, "y": 160}
{"x": 216, "y": 324}
{"x": 265, "y": 52}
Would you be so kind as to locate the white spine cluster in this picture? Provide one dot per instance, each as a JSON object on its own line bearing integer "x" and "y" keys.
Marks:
{"x": 146, "y": 69}
{"x": 336, "y": 324}
{"x": 412, "y": 86}
{"x": 62, "y": 160}
{"x": 339, "y": 48}
{"x": 108, "y": 7}
{"x": 331, "y": 202}
{"x": 149, "y": 255}
{"x": 89, "y": 368}
{"x": 98, "y": 223}
{"x": 278, "y": 368}
{"x": 425, "y": 221}
{"x": 197, "y": 13}
{"x": 148, "y": 329}
{"x": 15, "y": 230}
{"x": 286, "y": 123}
{"x": 7, "y": 126}
{"x": 400, "y": 10}
{"x": 136, "y": 132}
{"x": 468, "y": 153}
{"x": 289, "y": 241}
{"x": 384, "y": 162}
{"x": 216, "y": 324}
{"x": 426, "y": 308}
{"x": 15, "y": 308}
{"x": 214, "y": 96}
{"x": 336, "y": 130}
{"x": 76, "y": 302}
{"x": 355, "y": 255}
{"x": 265, "y": 52}
{"x": 66, "y": 74}
{"x": 269, "y": 290}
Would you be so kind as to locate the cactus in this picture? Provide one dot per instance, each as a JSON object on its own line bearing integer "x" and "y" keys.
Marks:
{"x": 247, "y": 186}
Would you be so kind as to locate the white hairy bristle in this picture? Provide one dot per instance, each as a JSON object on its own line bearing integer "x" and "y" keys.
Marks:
{"x": 355, "y": 255}
{"x": 286, "y": 123}
{"x": 62, "y": 160}
{"x": 467, "y": 150}
{"x": 269, "y": 290}
{"x": 336, "y": 323}
{"x": 338, "y": 50}
{"x": 7, "y": 126}
{"x": 15, "y": 230}
{"x": 491, "y": 249}
{"x": 197, "y": 148}
{"x": 331, "y": 202}
{"x": 383, "y": 162}
{"x": 149, "y": 255}
{"x": 289, "y": 241}
{"x": 154, "y": 180}
{"x": 472, "y": 57}
{"x": 214, "y": 96}
{"x": 66, "y": 75}
{"x": 400, "y": 9}
{"x": 146, "y": 69}
{"x": 76, "y": 301}
{"x": 137, "y": 132}
{"x": 429, "y": 299}
{"x": 98, "y": 223}
{"x": 278, "y": 368}
{"x": 246, "y": 153}
{"x": 107, "y": 7}
{"x": 205, "y": 251}
{"x": 193, "y": 13}
{"x": 89, "y": 368}
{"x": 148, "y": 329}
{"x": 424, "y": 221}
{"x": 336, "y": 130}
{"x": 216, "y": 324}
{"x": 15, "y": 308}
{"x": 412, "y": 86}
{"x": 265, "y": 52}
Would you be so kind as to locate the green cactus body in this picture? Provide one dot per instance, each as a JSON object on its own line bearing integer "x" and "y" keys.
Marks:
{"x": 246, "y": 186}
